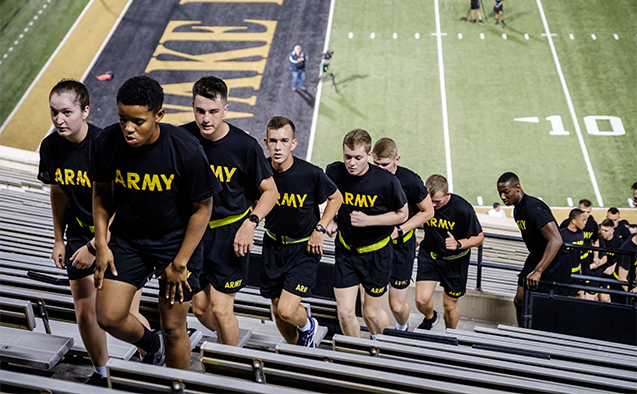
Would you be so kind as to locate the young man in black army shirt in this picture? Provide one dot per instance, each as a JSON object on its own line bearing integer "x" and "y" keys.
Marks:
{"x": 573, "y": 234}
{"x": 591, "y": 238}
{"x": 547, "y": 257}
{"x": 626, "y": 260}
{"x": 604, "y": 265}
{"x": 445, "y": 252}
{"x": 293, "y": 242}
{"x": 237, "y": 160}
{"x": 152, "y": 176}
{"x": 385, "y": 155}
{"x": 373, "y": 203}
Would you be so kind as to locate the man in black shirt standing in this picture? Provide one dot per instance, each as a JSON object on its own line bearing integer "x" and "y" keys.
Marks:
{"x": 547, "y": 257}
{"x": 293, "y": 242}
{"x": 573, "y": 234}
{"x": 237, "y": 160}
{"x": 385, "y": 155}
{"x": 153, "y": 178}
{"x": 445, "y": 252}
{"x": 621, "y": 231}
{"x": 373, "y": 203}
{"x": 605, "y": 264}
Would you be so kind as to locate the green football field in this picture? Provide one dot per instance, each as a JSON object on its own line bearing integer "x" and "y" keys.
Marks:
{"x": 573, "y": 96}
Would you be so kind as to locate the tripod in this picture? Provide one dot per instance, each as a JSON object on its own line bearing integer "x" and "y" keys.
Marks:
{"x": 324, "y": 67}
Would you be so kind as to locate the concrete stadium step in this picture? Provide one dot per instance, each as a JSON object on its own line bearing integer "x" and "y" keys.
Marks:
{"x": 16, "y": 382}
{"x": 32, "y": 349}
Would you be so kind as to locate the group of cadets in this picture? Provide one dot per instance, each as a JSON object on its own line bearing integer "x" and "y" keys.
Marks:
{"x": 143, "y": 198}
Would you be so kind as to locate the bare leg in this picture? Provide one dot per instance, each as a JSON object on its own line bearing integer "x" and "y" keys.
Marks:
{"x": 175, "y": 333}
{"x": 202, "y": 308}
{"x": 398, "y": 304}
{"x": 289, "y": 314}
{"x": 424, "y": 293}
{"x": 223, "y": 313}
{"x": 113, "y": 305}
{"x": 134, "y": 310}
{"x": 94, "y": 338}
{"x": 377, "y": 318}
{"x": 346, "y": 303}
{"x": 518, "y": 301}
{"x": 451, "y": 314}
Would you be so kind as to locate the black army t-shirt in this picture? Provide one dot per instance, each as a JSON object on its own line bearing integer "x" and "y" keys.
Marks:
{"x": 531, "y": 214}
{"x": 614, "y": 243}
{"x": 591, "y": 230}
{"x": 239, "y": 164}
{"x": 574, "y": 238}
{"x": 301, "y": 189}
{"x": 456, "y": 217}
{"x": 154, "y": 185}
{"x": 375, "y": 192}
{"x": 626, "y": 260}
{"x": 65, "y": 164}
{"x": 413, "y": 187}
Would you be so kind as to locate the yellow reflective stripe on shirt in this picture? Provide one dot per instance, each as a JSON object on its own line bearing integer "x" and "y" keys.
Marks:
{"x": 227, "y": 220}
{"x": 576, "y": 269}
{"x": 286, "y": 240}
{"x": 90, "y": 228}
{"x": 406, "y": 237}
{"x": 583, "y": 256}
{"x": 365, "y": 249}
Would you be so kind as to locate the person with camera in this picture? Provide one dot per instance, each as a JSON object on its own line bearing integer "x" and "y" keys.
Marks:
{"x": 297, "y": 65}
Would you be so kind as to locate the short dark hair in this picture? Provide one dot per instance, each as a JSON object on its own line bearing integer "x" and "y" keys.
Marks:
{"x": 211, "y": 87}
{"x": 634, "y": 186}
{"x": 495, "y": 205}
{"x": 76, "y": 89}
{"x": 437, "y": 183}
{"x": 385, "y": 148}
{"x": 585, "y": 202}
{"x": 356, "y": 138}
{"x": 143, "y": 91}
{"x": 613, "y": 211}
{"x": 575, "y": 213}
{"x": 509, "y": 177}
{"x": 607, "y": 223}
{"x": 278, "y": 122}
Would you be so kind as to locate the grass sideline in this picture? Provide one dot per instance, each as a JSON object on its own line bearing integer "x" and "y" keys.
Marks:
{"x": 27, "y": 58}
{"x": 390, "y": 87}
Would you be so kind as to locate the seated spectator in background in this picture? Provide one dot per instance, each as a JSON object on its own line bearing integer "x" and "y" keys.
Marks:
{"x": 634, "y": 187}
{"x": 574, "y": 234}
{"x": 547, "y": 258}
{"x": 591, "y": 238}
{"x": 621, "y": 230}
{"x": 497, "y": 211}
{"x": 606, "y": 261}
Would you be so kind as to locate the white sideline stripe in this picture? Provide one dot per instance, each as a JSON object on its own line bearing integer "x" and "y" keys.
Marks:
{"x": 46, "y": 65}
{"x": 319, "y": 88}
{"x": 578, "y": 131}
{"x": 443, "y": 98}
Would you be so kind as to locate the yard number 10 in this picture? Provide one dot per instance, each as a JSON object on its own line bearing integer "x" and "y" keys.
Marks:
{"x": 617, "y": 128}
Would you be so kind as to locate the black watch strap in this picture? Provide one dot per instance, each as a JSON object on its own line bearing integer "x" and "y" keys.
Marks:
{"x": 459, "y": 245}
{"x": 90, "y": 248}
{"x": 400, "y": 231}
{"x": 320, "y": 228}
{"x": 254, "y": 219}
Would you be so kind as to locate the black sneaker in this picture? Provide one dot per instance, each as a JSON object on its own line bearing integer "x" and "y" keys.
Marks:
{"x": 428, "y": 324}
{"x": 503, "y": 24}
{"x": 97, "y": 380}
{"x": 481, "y": 21}
{"x": 306, "y": 338}
{"x": 158, "y": 357}
{"x": 497, "y": 21}
{"x": 473, "y": 21}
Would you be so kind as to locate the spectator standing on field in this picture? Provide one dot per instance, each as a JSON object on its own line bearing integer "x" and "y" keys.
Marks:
{"x": 297, "y": 65}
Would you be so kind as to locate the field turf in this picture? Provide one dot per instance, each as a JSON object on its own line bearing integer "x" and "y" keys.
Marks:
{"x": 391, "y": 87}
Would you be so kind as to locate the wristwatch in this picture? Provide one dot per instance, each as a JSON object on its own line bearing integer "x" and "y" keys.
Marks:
{"x": 254, "y": 219}
{"x": 400, "y": 231}
{"x": 459, "y": 245}
{"x": 320, "y": 228}
{"x": 90, "y": 248}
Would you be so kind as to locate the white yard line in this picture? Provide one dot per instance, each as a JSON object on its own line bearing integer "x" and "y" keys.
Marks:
{"x": 443, "y": 98}
{"x": 319, "y": 88}
{"x": 37, "y": 78}
{"x": 578, "y": 131}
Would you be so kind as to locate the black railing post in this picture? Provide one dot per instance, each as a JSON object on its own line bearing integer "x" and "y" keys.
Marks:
{"x": 479, "y": 271}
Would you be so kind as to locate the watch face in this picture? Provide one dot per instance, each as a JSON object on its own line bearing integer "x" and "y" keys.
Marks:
{"x": 254, "y": 218}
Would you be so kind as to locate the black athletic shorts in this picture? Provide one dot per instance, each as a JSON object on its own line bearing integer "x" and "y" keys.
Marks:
{"x": 452, "y": 274}
{"x": 226, "y": 272}
{"x": 597, "y": 272}
{"x": 475, "y": 4}
{"x": 561, "y": 275}
{"x": 137, "y": 260}
{"x": 371, "y": 269}
{"x": 496, "y": 9}
{"x": 287, "y": 267}
{"x": 76, "y": 237}
{"x": 403, "y": 264}
{"x": 574, "y": 292}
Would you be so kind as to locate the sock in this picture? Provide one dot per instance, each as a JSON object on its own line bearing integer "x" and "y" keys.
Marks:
{"x": 100, "y": 370}
{"x": 149, "y": 342}
{"x": 307, "y": 326}
{"x": 373, "y": 337}
{"x": 402, "y": 327}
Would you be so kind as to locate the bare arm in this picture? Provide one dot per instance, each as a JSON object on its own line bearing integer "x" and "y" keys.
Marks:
{"x": 334, "y": 201}
{"x": 426, "y": 213}
{"x": 552, "y": 235}
{"x": 59, "y": 206}
{"x": 176, "y": 274}
{"x": 359, "y": 219}
{"x": 466, "y": 243}
{"x": 102, "y": 212}
{"x": 244, "y": 240}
